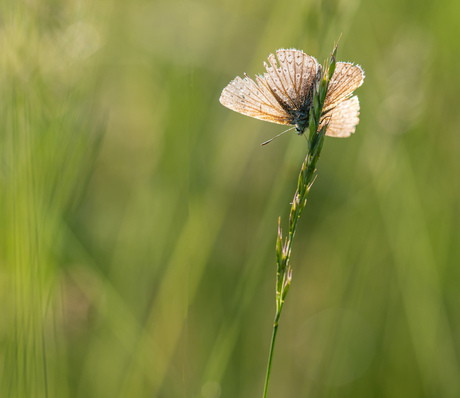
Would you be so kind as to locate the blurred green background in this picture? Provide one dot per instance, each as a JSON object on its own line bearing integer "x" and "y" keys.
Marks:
{"x": 138, "y": 216}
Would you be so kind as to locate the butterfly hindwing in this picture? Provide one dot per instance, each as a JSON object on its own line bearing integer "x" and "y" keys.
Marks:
{"x": 342, "y": 119}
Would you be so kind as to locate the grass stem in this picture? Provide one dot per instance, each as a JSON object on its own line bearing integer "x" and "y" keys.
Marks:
{"x": 306, "y": 178}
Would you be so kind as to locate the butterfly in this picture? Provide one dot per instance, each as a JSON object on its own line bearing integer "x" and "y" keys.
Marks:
{"x": 284, "y": 94}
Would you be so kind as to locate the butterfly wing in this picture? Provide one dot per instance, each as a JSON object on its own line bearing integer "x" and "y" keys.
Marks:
{"x": 342, "y": 119}
{"x": 254, "y": 99}
{"x": 284, "y": 93}
{"x": 280, "y": 94}
{"x": 293, "y": 81}
{"x": 346, "y": 78}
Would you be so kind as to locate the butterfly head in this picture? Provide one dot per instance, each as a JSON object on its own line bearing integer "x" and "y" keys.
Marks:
{"x": 301, "y": 123}
{"x": 301, "y": 127}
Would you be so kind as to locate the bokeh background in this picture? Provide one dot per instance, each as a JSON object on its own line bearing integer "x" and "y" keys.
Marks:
{"x": 138, "y": 216}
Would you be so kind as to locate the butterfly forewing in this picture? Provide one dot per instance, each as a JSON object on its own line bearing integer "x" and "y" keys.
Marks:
{"x": 346, "y": 78}
{"x": 292, "y": 80}
{"x": 255, "y": 100}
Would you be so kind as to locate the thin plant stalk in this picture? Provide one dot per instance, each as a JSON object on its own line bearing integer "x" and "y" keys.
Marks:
{"x": 315, "y": 138}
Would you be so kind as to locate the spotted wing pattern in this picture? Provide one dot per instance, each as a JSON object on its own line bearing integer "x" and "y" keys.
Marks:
{"x": 343, "y": 118}
{"x": 346, "y": 78}
{"x": 254, "y": 99}
{"x": 293, "y": 81}
{"x": 280, "y": 94}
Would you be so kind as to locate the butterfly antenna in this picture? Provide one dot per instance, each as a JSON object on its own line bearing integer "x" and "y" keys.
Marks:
{"x": 276, "y": 136}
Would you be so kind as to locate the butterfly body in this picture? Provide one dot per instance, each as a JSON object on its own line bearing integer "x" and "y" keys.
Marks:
{"x": 284, "y": 93}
